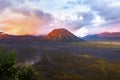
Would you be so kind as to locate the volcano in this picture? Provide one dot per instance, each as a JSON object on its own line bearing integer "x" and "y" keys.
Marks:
{"x": 62, "y": 35}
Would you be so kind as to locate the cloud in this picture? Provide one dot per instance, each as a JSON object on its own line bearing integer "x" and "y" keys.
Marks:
{"x": 46, "y": 17}
{"x": 4, "y": 4}
{"x": 109, "y": 9}
{"x": 22, "y": 22}
{"x": 41, "y": 16}
{"x": 105, "y": 8}
{"x": 80, "y": 19}
{"x": 81, "y": 32}
{"x": 101, "y": 14}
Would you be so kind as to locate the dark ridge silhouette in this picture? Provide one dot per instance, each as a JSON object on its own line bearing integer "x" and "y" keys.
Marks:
{"x": 6, "y": 38}
{"x": 106, "y": 36}
{"x": 3, "y": 35}
{"x": 62, "y": 35}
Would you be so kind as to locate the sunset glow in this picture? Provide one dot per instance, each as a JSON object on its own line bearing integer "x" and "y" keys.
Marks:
{"x": 37, "y": 17}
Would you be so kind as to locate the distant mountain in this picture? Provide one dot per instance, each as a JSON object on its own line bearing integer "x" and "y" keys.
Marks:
{"x": 3, "y": 35}
{"x": 62, "y": 35}
{"x": 110, "y": 35}
{"x": 6, "y": 38}
{"x": 106, "y": 36}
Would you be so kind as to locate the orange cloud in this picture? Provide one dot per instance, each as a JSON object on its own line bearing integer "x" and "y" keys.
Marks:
{"x": 20, "y": 24}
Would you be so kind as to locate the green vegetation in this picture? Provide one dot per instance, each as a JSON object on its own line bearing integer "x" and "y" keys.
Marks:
{"x": 59, "y": 65}
{"x": 27, "y": 73}
{"x": 9, "y": 70}
{"x": 7, "y": 65}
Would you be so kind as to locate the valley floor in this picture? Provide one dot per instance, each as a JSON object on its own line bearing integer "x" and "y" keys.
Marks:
{"x": 29, "y": 51}
{"x": 71, "y": 61}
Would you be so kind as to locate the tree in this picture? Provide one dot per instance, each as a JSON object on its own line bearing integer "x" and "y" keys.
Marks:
{"x": 9, "y": 70}
{"x": 27, "y": 73}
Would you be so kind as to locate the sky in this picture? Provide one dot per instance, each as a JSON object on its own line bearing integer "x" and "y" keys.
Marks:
{"x": 39, "y": 17}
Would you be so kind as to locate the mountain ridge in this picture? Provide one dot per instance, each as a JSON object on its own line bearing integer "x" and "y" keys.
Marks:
{"x": 56, "y": 35}
{"x": 105, "y": 36}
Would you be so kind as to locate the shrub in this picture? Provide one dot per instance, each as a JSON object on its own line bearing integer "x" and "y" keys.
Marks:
{"x": 27, "y": 73}
{"x": 9, "y": 69}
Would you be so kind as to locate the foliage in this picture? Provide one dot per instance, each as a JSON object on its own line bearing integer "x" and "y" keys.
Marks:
{"x": 9, "y": 70}
{"x": 7, "y": 65}
{"x": 27, "y": 73}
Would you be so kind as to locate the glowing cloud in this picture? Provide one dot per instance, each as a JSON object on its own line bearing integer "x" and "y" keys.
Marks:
{"x": 19, "y": 23}
{"x": 82, "y": 17}
{"x": 82, "y": 32}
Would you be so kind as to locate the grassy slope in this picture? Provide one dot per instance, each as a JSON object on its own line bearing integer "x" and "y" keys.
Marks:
{"x": 59, "y": 65}
{"x": 98, "y": 44}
